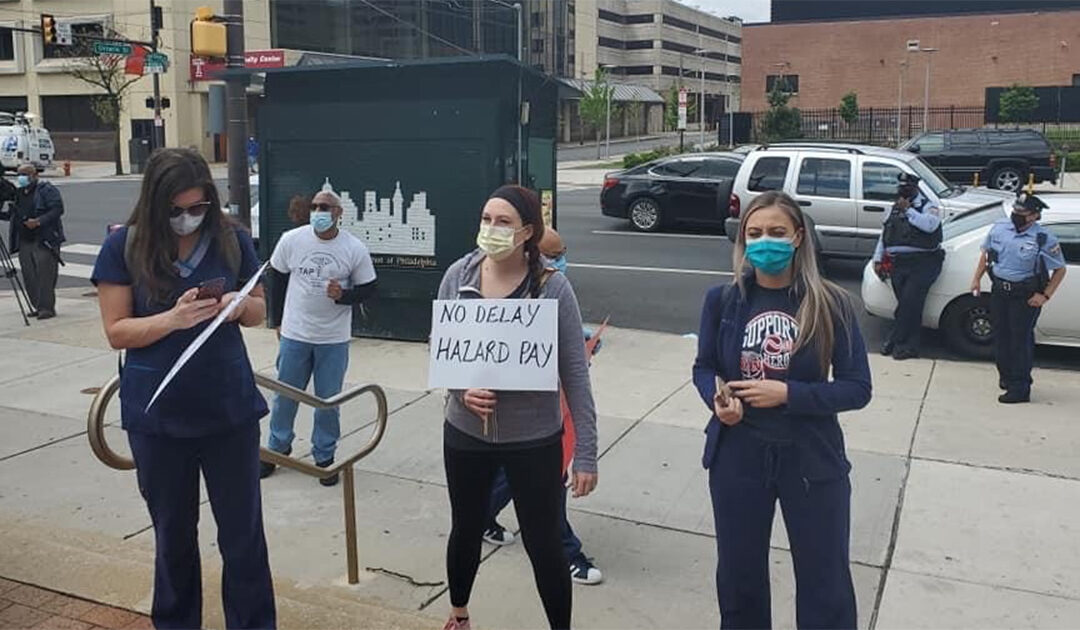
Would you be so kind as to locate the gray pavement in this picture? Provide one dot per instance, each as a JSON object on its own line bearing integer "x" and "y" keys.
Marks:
{"x": 964, "y": 512}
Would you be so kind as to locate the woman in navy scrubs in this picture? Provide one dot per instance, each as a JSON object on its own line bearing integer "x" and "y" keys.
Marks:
{"x": 782, "y": 346}
{"x": 206, "y": 420}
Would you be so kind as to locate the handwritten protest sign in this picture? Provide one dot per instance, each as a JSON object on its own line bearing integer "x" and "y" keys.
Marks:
{"x": 495, "y": 344}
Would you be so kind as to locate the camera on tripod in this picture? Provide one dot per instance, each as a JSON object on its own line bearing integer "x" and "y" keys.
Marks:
{"x": 7, "y": 266}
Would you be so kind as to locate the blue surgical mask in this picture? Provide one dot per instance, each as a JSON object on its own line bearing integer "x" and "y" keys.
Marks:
{"x": 22, "y": 181}
{"x": 769, "y": 254}
{"x": 559, "y": 263}
{"x": 321, "y": 220}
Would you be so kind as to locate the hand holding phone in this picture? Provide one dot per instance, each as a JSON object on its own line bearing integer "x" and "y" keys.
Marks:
{"x": 211, "y": 289}
{"x": 723, "y": 392}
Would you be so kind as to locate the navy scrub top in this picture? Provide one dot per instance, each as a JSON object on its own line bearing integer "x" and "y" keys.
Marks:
{"x": 215, "y": 391}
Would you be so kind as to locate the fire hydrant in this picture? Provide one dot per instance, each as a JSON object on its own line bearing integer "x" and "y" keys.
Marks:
{"x": 67, "y": 168}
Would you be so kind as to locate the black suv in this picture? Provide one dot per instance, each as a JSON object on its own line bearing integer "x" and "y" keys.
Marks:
{"x": 1003, "y": 158}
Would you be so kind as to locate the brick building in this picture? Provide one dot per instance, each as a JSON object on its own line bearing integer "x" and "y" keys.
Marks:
{"x": 821, "y": 61}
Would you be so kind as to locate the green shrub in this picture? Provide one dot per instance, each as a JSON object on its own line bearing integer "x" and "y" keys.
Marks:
{"x": 631, "y": 160}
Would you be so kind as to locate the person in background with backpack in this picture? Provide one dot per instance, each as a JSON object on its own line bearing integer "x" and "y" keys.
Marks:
{"x": 1018, "y": 252}
{"x": 582, "y": 570}
{"x": 36, "y": 235}
{"x": 324, "y": 273}
{"x": 160, "y": 280}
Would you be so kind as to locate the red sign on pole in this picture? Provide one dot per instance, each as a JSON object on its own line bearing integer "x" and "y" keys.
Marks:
{"x": 208, "y": 70}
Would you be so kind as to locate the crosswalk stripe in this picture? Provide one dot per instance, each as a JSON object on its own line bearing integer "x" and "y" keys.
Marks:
{"x": 82, "y": 249}
{"x": 70, "y": 270}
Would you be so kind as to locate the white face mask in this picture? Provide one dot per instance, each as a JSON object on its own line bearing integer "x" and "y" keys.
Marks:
{"x": 186, "y": 223}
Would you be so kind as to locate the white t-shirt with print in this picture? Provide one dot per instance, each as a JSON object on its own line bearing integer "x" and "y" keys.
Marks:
{"x": 310, "y": 315}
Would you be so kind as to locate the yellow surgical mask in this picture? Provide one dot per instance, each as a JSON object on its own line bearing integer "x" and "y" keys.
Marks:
{"x": 496, "y": 241}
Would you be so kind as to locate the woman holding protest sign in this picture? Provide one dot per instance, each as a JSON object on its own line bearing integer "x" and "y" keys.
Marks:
{"x": 517, "y": 430}
{"x": 161, "y": 278}
{"x": 766, "y": 347}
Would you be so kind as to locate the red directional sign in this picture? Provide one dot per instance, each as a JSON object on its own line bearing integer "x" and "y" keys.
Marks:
{"x": 208, "y": 70}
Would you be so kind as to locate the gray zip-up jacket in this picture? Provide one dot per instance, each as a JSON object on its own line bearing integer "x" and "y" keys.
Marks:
{"x": 525, "y": 416}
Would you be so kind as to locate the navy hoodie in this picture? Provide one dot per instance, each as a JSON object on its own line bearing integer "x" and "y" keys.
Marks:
{"x": 813, "y": 400}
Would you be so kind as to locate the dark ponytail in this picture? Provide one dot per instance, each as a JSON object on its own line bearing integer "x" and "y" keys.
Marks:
{"x": 527, "y": 204}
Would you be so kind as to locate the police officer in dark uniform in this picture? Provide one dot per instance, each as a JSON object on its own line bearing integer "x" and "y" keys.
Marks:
{"x": 911, "y": 239}
{"x": 1026, "y": 267}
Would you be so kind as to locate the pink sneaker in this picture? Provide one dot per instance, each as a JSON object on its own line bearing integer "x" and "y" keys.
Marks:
{"x": 453, "y": 624}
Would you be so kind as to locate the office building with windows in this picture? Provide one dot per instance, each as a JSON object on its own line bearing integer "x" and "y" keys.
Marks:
{"x": 663, "y": 44}
{"x": 37, "y": 78}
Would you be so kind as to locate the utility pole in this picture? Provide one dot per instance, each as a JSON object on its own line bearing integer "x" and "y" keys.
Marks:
{"x": 236, "y": 110}
{"x": 157, "y": 139}
{"x": 520, "y": 105}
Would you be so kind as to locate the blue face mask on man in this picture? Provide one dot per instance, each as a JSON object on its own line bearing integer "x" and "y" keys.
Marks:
{"x": 22, "y": 181}
{"x": 321, "y": 220}
{"x": 769, "y": 254}
{"x": 559, "y": 262}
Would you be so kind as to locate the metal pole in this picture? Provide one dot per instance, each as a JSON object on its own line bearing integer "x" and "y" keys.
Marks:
{"x": 701, "y": 103}
{"x": 521, "y": 62}
{"x": 351, "y": 556}
{"x": 236, "y": 109}
{"x": 157, "y": 138}
{"x": 607, "y": 135}
{"x": 926, "y": 96}
{"x": 899, "y": 104}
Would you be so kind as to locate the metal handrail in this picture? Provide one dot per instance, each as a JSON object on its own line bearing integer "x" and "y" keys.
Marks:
{"x": 95, "y": 429}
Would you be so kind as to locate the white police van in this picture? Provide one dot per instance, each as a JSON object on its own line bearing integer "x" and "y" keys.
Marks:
{"x": 23, "y": 143}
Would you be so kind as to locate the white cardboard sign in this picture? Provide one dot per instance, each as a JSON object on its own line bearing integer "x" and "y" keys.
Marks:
{"x": 495, "y": 344}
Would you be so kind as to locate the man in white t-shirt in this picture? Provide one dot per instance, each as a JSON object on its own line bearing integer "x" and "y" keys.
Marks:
{"x": 329, "y": 271}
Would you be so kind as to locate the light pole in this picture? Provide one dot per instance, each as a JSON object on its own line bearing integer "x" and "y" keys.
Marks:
{"x": 521, "y": 61}
{"x": 900, "y": 100}
{"x": 926, "y": 96}
{"x": 607, "y": 101}
{"x": 701, "y": 102}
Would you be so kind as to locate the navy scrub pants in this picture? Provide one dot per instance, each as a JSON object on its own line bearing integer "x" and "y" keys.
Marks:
{"x": 168, "y": 473}
{"x": 1014, "y": 338}
{"x": 912, "y": 275}
{"x": 746, "y": 478}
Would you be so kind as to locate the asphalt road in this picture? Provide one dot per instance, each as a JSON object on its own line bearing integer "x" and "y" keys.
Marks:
{"x": 650, "y": 282}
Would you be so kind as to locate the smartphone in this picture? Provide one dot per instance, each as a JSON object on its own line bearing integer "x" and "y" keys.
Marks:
{"x": 723, "y": 392}
{"x": 211, "y": 289}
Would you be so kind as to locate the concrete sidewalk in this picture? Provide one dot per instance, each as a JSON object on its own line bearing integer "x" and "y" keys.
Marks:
{"x": 965, "y": 512}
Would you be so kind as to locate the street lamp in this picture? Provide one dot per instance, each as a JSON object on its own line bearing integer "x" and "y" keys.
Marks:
{"x": 926, "y": 94}
{"x": 900, "y": 100}
{"x": 701, "y": 102}
{"x": 521, "y": 61}
{"x": 607, "y": 99}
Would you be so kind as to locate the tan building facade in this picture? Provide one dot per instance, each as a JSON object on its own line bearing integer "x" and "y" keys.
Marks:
{"x": 822, "y": 61}
{"x": 35, "y": 79}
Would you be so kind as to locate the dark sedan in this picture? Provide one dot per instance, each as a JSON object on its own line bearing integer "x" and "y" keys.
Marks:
{"x": 691, "y": 188}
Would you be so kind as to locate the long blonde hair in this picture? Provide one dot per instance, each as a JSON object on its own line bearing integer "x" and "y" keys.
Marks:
{"x": 820, "y": 300}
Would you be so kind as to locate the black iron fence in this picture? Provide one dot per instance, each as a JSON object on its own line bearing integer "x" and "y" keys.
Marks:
{"x": 889, "y": 126}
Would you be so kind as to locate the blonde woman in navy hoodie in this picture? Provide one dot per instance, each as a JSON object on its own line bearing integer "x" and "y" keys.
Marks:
{"x": 779, "y": 356}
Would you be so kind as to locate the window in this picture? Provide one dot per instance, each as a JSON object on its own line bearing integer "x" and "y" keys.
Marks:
{"x": 879, "y": 181}
{"x": 538, "y": 46}
{"x": 720, "y": 169}
{"x": 823, "y": 177}
{"x": 91, "y": 27}
{"x": 627, "y": 70}
{"x": 785, "y": 82}
{"x": 641, "y": 18}
{"x": 619, "y": 44}
{"x": 679, "y": 168}
{"x": 769, "y": 174}
{"x": 683, "y": 48}
{"x": 70, "y": 113}
{"x": 931, "y": 143}
{"x": 7, "y": 44}
{"x": 964, "y": 140}
{"x": 1068, "y": 235}
{"x": 677, "y": 23}
{"x": 640, "y": 44}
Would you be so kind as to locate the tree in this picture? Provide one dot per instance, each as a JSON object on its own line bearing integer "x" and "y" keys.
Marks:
{"x": 105, "y": 72}
{"x": 1018, "y": 104}
{"x": 849, "y": 108}
{"x": 781, "y": 122}
{"x": 595, "y": 103}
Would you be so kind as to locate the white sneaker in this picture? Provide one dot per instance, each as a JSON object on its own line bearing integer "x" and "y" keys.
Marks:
{"x": 583, "y": 572}
{"x": 499, "y": 536}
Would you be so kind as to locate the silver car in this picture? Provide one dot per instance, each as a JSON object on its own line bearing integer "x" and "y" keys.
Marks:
{"x": 845, "y": 190}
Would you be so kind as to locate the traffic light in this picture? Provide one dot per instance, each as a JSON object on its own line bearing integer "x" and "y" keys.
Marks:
{"x": 48, "y": 29}
{"x": 208, "y": 36}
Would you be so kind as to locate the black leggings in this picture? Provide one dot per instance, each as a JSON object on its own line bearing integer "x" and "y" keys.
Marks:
{"x": 535, "y": 478}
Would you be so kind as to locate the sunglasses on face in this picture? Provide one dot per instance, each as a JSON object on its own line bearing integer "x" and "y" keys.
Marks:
{"x": 322, "y": 207}
{"x": 194, "y": 209}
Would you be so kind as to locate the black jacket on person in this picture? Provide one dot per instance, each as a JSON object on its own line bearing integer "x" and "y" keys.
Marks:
{"x": 46, "y": 205}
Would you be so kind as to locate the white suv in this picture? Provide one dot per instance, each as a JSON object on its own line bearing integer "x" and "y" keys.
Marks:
{"x": 845, "y": 190}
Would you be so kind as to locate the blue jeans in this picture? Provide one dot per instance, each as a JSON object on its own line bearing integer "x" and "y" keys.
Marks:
{"x": 297, "y": 361}
{"x": 500, "y": 498}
